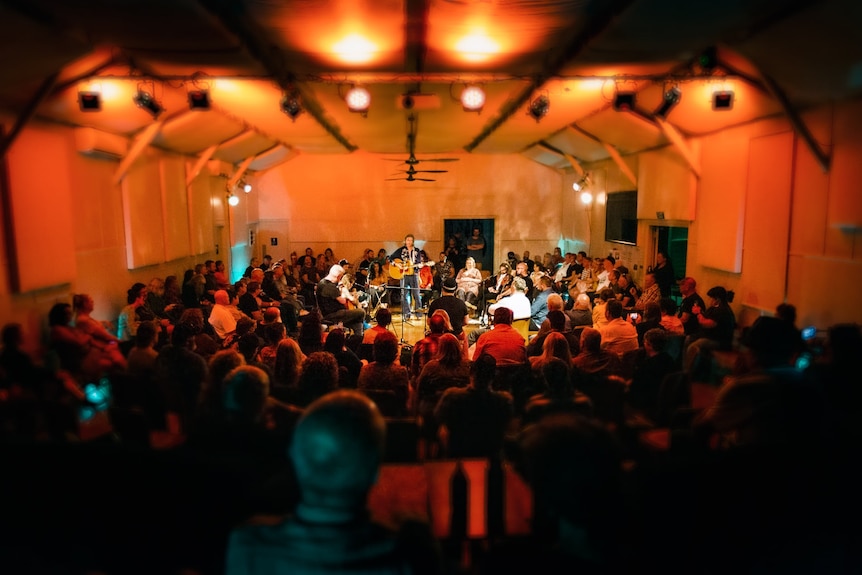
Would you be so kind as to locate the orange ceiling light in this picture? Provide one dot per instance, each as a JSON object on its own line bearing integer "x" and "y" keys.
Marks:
{"x": 355, "y": 49}
{"x": 477, "y": 47}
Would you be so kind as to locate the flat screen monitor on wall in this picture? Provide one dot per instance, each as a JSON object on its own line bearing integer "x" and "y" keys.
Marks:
{"x": 621, "y": 221}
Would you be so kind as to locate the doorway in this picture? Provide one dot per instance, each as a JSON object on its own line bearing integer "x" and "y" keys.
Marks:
{"x": 673, "y": 242}
{"x": 462, "y": 230}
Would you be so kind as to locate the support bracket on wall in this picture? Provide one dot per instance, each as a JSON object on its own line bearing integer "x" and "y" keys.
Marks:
{"x": 142, "y": 140}
{"x": 200, "y": 163}
{"x": 681, "y": 145}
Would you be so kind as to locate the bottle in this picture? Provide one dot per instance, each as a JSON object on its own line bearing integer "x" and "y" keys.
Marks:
{"x": 460, "y": 504}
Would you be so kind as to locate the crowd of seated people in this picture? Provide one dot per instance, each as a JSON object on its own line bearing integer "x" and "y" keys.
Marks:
{"x": 564, "y": 407}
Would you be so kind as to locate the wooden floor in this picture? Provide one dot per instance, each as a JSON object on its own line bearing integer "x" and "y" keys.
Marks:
{"x": 415, "y": 328}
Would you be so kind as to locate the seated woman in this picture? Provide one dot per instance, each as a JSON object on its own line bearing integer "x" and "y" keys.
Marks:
{"x": 222, "y": 281}
{"x": 79, "y": 353}
{"x": 448, "y": 369}
{"x": 378, "y": 278}
{"x": 83, "y": 306}
{"x": 469, "y": 279}
{"x": 384, "y": 374}
{"x": 716, "y": 325}
{"x": 132, "y": 315}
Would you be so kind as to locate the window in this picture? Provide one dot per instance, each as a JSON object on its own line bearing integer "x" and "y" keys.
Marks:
{"x": 621, "y": 221}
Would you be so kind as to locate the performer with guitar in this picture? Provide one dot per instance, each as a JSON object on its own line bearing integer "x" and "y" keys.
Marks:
{"x": 403, "y": 265}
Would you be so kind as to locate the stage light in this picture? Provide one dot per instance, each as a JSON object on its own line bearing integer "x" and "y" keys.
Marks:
{"x": 291, "y": 105}
{"x": 233, "y": 200}
{"x": 145, "y": 101}
{"x": 473, "y": 98}
{"x": 358, "y": 100}
{"x": 722, "y": 100}
{"x": 670, "y": 99}
{"x": 89, "y": 101}
{"x": 538, "y": 107}
{"x": 624, "y": 101}
{"x": 199, "y": 100}
{"x": 244, "y": 186}
{"x": 582, "y": 184}
{"x": 586, "y": 198}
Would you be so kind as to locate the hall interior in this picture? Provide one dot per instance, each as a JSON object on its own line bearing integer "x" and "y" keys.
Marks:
{"x": 95, "y": 200}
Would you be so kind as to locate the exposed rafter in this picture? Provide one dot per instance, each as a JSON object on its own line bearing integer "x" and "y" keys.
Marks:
{"x": 602, "y": 18}
{"x": 233, "y": 17}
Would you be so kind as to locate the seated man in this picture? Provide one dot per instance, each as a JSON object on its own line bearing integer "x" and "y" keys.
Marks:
{"x": 473, "y": 420}
{"x": 517, "y": 301}
{"x": 503, "y": 342}
{"x": 539, "y": 307}
{"x": 221, "y": 318}
{"x": 336, "y": 452}
{"x": 332, "y": 300}
{"x": 618, "y": 336}
{"x": 593, "y": 359}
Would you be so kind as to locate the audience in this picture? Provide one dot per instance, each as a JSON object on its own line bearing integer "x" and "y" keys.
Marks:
{"x": 473, "y": 420}
{"x": 618, "y": 335}
{"x": 385, "y": 379}
{"x": 336, "y": 453}
{"x": 785, "y": 398}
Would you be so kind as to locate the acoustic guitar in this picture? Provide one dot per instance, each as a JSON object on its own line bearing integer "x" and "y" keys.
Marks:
{"x": 398, "y": 268}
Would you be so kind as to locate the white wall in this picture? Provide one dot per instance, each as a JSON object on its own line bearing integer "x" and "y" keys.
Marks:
{"x": 344, "y": 202}
{"x": 800, "y": 242}
{"x": 769, "y": 223}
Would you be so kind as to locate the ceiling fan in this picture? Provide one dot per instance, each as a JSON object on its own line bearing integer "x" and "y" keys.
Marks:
{"x": 412, "y": 161}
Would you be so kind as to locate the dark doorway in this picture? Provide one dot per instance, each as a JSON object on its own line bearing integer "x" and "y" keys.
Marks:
{"x": 461, "y": 231}
{"x": 673, "y": 242}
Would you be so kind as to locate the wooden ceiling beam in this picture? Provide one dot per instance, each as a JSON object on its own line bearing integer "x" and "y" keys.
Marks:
{"x": 593, "y": 25}
{"x": 233, "y": 17}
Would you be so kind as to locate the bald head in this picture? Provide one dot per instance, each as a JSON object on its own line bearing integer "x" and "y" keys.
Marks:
{"x": 335, "y": 273}
{"x": 337, "y": 447}
{"x": 222, "y": 297}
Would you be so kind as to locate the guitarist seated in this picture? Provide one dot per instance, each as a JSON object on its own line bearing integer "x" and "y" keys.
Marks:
{"x": 403, "y": 265}
{"x": 333, "y": 300}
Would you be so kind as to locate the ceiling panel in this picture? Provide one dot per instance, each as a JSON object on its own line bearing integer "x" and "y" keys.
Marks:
{"x": 576, "y": 53}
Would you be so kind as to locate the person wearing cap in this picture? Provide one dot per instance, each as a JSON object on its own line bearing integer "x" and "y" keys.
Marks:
{"x": 456, "y": 308}
{"x": 333, "y": 302}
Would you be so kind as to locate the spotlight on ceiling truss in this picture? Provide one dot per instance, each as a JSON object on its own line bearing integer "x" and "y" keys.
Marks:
{"x": 722, "y": 100}
{"x": 291, "y": 104}
{"x": 670, "y": 99}
{"x": 89, "y": 101}
{"x": 199, "y": 100}
{"x": 145, "y": 101}
{"x": 473, "y": 98}
{"x": 625, "y": 101}
{"x": 538, "y": 107}
{"x": 582, "y": 184}
{"x": 358, "y": 100}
